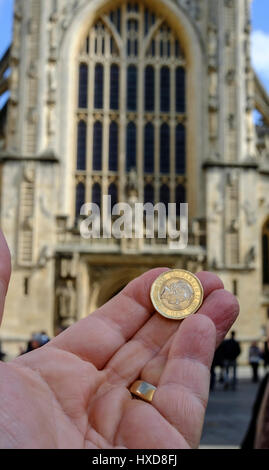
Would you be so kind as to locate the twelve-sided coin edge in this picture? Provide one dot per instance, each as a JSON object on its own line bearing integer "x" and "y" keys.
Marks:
{"x": 188, "y": 277}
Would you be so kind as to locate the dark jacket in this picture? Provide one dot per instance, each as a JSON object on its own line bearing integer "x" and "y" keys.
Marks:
{"x": 231, "y": 349}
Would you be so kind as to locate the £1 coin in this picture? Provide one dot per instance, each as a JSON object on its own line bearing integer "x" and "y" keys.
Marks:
{"x": 176, "y": 294}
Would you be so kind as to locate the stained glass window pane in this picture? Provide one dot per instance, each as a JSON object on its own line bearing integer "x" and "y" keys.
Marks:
{"x": 149, "y": 88}
{"x": 83, "y": 86}
{"x": 180, "y": 196}
{"x": 165, "y": 195}
{"x": 114, "y": 87}
{"x": 149, "y": 148}
{"x": 165, "y": 149}
{"x": 180, "y": 150}
{"x": 113, "y": 192}
{"x": 81, "y": 145}
{"x": 113, "y": 147}
{"x": 180, "y": 90}
{"x": 131, "y": 146}
{"x": 149, "y": 194}
{"x": 80, "y": 197}
{"x": 97, "y": 146}
{"x": 131, "y": 87}
{"x": 96, "y": 194}
{"x": 98, "y": 86}
{"x": 165, "y": 89}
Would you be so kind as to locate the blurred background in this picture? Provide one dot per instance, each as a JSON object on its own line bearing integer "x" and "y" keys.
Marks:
{"x": 154, "y": 101}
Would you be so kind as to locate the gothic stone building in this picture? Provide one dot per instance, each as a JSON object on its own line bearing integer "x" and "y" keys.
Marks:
{"x": 147, "y": 100}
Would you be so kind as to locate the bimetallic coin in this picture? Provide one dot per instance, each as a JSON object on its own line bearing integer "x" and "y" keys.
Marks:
{"x": 176, "y": 294}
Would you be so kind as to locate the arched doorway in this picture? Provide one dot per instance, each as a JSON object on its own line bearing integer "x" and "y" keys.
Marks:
{"x": 265, "y": 253}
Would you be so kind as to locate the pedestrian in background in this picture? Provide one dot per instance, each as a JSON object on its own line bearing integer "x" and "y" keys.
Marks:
{"x": 231, "y": 351}
{"x": 218, "y": 361}
{"x": 255, "y": 356}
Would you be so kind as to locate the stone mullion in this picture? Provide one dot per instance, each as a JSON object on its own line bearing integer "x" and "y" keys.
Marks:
{"x": 75, "y": 171}
{"x": 172, "y": 183}
{"x": 90, "y": 110}
{"x": 89, "y": 148}
{"x": 172, "y": 133}
{"x": 157, "y": 133}
{"x": 32, "y": 92}
{"x": 140, "y": 117}
{"x": 105, "y": 146}
{"x": 122, "y": 110}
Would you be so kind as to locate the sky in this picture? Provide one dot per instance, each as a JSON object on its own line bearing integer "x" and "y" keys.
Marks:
{"x": 259, "y": 46}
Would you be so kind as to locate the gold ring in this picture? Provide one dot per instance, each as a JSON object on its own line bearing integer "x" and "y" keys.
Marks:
{"x": 143, "y": 390}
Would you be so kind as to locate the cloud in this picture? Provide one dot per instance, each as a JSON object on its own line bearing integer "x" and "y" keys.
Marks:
{"x": 260, "y": 54}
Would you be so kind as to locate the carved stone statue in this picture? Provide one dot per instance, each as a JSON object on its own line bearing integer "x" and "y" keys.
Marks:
{"x": 250, "y": 256}
{"x": 213, "y": 88}
{"x": 66, "y": 303}
{"x": 213, "y": 125}
{"x": 212, "y": 45}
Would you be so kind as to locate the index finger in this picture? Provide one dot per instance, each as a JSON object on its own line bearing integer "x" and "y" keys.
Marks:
{"x": 99, "y": 336}
{"x": 5, "y": 270}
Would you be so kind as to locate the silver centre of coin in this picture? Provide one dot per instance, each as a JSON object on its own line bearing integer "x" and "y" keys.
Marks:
{"x": 177, "y": 295}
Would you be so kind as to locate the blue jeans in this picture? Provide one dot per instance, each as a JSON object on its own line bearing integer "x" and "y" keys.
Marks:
{"x": 228, "y": 365}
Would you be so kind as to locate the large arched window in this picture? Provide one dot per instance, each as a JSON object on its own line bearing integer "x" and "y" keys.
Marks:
{"x": 132, "y": 99}
{"x": 265, "y": 253}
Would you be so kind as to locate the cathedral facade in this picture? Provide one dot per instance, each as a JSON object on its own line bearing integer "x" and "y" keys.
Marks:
{"x": 146, "y": 100}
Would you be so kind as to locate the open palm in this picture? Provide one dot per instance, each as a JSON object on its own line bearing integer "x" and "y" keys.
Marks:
{"x": 73, "y": 392}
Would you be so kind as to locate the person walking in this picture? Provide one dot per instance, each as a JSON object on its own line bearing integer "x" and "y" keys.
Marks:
{"x": 231, "y": 352}
{"x": 218, "y": 361}
{"x": 255, "y": 356}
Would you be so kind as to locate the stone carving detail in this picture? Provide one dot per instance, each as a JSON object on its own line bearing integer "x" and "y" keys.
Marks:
{"x": 250, "y": 213}
{"x": 66, "y": 297}
{"x": 193, "y": 8}
{"x": 250, "y": 256}
{"x": 66, "y": 303}
{"x": 232, "y": 253}
{"x": 32, "y": 95}
{"x": 26, "y": 216}
{"x": 213, "y": 85}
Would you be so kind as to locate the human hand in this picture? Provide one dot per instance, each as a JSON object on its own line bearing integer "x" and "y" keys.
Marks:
{"x": 73, "y": 392}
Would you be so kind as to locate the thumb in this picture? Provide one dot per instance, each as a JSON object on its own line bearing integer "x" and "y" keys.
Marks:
{"x": 5, "y": 271}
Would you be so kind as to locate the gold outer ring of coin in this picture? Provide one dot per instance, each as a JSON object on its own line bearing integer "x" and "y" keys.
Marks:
{"x": 179, "y": 275}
